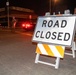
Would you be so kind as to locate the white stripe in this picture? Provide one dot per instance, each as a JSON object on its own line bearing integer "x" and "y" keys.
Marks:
{"x": 42, "y": 49}
{"x": 54, "y": 50}
{"x": 63, "y": 47}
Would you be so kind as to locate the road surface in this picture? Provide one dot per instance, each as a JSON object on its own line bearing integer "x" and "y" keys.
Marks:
{"x": 17, "y": 57}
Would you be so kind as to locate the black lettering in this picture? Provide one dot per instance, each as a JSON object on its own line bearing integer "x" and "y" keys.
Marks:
{"x": 48, "y": 34}
{"x": 64, "y": 23}
{"x": 44, "y": 23}
{"x": 54, "y": 35}
{"x": 37, "y": 34}
{"x": 56, "y": 24}
{"x": 41, "y": 35}
{"x": 59, "y": 35}
{"x": 66, "y": 36}
{"x": 50, "y": 23}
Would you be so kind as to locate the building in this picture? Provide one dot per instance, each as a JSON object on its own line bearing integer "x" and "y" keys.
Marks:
{"x": 19, "y": 13}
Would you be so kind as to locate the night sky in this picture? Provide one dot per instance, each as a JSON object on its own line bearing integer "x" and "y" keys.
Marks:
{"x": 39, "y": 6}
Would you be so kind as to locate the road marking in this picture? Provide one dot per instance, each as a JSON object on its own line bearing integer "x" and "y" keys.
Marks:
{"x": 29, "y": 34}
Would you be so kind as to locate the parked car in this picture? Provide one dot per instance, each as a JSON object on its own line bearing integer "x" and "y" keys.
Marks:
{"x": 28, "y": 25}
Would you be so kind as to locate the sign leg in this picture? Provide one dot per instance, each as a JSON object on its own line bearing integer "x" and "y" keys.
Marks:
{"x": 73, "y": 49}
{"x": 57, "y": 63}
{"x": 37, "y": 58}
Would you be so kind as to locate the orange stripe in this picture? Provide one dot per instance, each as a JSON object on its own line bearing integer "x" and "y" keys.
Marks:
{"x": 48, "y": 50}
{"x": 60, "y": 50}
{"x": 38, "y": 50}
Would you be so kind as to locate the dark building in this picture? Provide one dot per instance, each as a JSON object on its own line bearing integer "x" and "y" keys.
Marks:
{"x": 18, "y": 12}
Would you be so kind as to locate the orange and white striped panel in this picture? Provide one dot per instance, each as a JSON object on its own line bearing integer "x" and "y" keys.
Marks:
{"x": 50, "y": 50}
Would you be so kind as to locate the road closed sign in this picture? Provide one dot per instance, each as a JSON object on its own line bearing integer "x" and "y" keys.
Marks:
{"x": 57, "y": 30}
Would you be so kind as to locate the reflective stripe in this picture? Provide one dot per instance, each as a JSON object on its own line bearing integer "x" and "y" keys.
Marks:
{"x": 48, "y": 50}
{"x": 51, "y": 50}
{"x": 42, "y": 49}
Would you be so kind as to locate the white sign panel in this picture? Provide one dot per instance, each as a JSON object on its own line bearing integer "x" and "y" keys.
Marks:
{"x": 55, "y": 30}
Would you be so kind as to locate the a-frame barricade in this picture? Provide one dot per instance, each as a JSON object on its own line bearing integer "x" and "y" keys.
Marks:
{"x": 59, "y": 49}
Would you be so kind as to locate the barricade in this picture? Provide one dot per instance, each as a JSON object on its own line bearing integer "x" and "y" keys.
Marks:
{"x": 50, "y": 50}
{"x": 57, "y": 51}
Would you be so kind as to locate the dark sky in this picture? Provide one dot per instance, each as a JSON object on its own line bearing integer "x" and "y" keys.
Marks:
{"x": 39, "y": 6}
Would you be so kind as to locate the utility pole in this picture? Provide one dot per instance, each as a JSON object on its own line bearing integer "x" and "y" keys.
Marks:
{"x": 50, "y": 9}
{"x": 7, "y": 4}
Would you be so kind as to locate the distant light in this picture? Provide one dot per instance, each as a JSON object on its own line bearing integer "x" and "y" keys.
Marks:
{"x": 23, "y": 25}
{"x": 26, "y": 25}
{"x": 7, "y": 3}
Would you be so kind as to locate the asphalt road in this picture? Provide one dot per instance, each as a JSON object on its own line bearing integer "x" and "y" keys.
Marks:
{"x": 17, "y": 57}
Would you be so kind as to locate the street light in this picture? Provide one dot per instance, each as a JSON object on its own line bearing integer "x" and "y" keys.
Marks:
{"x": 55, "y": 1}
{"x": 51, "y": 5}
{"x": 7, "y": 4}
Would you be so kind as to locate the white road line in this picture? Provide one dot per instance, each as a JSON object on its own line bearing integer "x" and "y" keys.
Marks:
{"x": 24, "y": 33}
